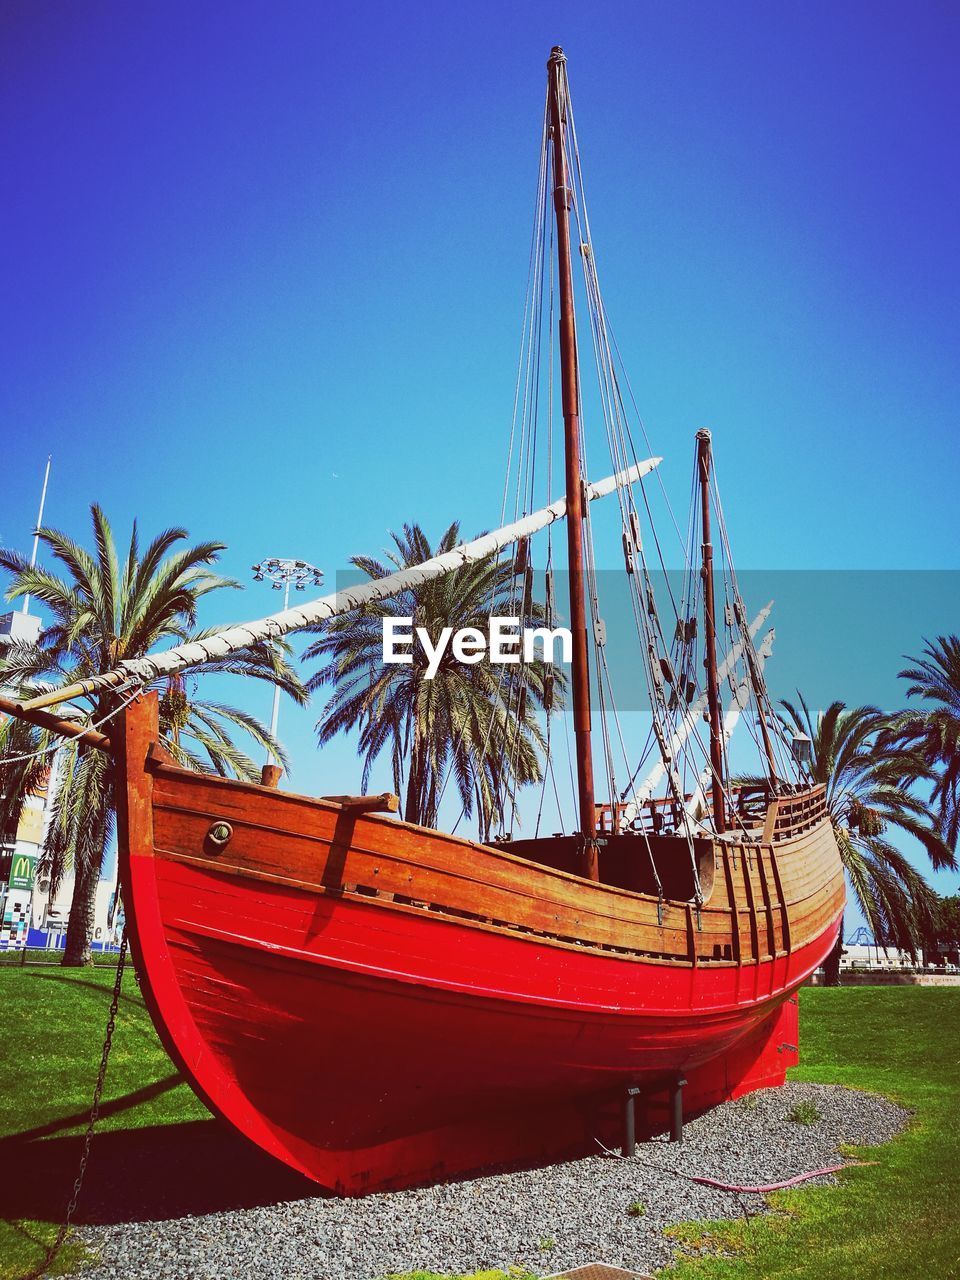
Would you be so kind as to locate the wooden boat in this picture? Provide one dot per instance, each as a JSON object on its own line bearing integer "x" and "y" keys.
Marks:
{"x": 378, "y": 1004}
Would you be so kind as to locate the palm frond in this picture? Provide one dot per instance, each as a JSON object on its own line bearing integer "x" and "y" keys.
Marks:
{"x": 463, "y": 726}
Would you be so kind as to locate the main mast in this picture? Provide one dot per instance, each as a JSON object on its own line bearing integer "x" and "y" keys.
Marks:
{"x": 570, "y": 382}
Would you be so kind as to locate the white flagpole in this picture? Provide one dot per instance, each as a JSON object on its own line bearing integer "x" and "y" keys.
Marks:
{"x": 36, "y": 536}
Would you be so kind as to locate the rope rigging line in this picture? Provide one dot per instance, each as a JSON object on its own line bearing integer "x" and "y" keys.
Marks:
{"x": 52, "y": 748}
{"x": 666, "y": 631}
{"x": 587, "y": 242}
{"x": 54, "y": 1249}
{"x": 669, "y": 638}
{"x": 708, "y": 770}
{"x": 787, "y": 764}
{"x": 510, "y": 683}
{"x": 530, "y": 295}
{"x": 619, "y": 441}
{"x": 740, "y": 670}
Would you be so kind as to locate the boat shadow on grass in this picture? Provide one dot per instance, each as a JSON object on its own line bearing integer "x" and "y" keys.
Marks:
{"x": 144, "y": 1174}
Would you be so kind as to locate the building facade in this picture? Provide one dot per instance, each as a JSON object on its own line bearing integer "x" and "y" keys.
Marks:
{"x": 29, "y": 915}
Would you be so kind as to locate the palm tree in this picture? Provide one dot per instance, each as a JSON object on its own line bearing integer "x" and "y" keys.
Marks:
{"x": 23, "y": 744}
{"x": 934, "y": 728}
{"x": 476, "y": 723}
{"x": 105, "y": 611}
{"x": 868, "y": 791}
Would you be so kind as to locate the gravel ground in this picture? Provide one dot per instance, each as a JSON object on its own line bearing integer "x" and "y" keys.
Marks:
{"x": 546, "y": 1220}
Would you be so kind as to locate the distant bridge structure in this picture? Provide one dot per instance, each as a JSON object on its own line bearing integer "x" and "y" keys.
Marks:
{"x": 862, "y": 937}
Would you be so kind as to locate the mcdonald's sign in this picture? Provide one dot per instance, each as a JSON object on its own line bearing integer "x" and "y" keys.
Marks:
{"x": 22, "y": 871}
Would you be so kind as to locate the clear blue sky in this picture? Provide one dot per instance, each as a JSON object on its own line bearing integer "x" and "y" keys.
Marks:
{"x": 264, "y": 271}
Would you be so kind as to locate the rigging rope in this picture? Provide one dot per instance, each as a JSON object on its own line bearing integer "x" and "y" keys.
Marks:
{"x": 48, "y": 1258}
{"x": 670, "y": 655}
{"x": 52, "y": 748}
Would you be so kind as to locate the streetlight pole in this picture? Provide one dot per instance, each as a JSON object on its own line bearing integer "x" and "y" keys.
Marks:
{"x": 282, "y": 574}
{"x": 275, "y": 714}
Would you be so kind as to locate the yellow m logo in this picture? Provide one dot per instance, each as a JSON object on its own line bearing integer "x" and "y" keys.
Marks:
{"x": 21, "y": 872}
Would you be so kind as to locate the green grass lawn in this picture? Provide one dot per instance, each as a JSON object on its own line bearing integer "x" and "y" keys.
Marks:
{"x": 54, "y": 1020}
{"x": 897, "y": 1217}
{"x": 158, "y": 1153}
{"x": 48, "y": 957}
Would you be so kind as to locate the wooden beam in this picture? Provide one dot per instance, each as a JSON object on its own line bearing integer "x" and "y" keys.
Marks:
{"x": 385, "y": 803}
{"x": 64, "y": 728}
{"x": 279, "y": 624}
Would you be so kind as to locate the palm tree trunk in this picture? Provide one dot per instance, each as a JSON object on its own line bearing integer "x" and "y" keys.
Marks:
{"x": 82, "y": 916}
{"x": 413, "y": 806}
{"x": 831, "y": 966}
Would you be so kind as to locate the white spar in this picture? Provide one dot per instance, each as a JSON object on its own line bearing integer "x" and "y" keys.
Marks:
{"x": 279, "y": 624}
{"x": 741, "y": 696}
{"x": 689, "y": 721}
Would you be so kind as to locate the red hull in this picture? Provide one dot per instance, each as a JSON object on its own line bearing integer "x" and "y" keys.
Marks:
{"x": 371, "y": 1047}
{"x": 354, "y": 1053}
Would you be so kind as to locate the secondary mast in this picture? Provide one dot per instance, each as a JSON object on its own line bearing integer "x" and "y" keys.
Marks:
{"x": 570, "y": 383}
{"x": 710, "y": 637}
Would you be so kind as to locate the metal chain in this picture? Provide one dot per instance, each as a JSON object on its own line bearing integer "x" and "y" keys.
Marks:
{"x": 57, "y": 1245}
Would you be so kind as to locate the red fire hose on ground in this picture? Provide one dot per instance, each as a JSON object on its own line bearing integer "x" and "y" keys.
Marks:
{"x": 770, "y": 1186}
{"x": 731, "y": 1186}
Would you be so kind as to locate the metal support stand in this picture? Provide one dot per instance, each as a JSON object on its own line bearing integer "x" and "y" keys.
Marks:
{"x": 630, "y": 1123}
{"x": 676, "y": 1110}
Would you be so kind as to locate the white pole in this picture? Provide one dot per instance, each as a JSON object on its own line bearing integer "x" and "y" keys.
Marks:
{"x": 741, "y": 696}
{"x": 275, "y": 717}
{"x": 694, "y": 712}
{"x": 36, "y": 536}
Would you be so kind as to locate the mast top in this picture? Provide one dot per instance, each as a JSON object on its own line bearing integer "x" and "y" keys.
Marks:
{"x": 704, "y": 434}
{"x": 556, "y": 55}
